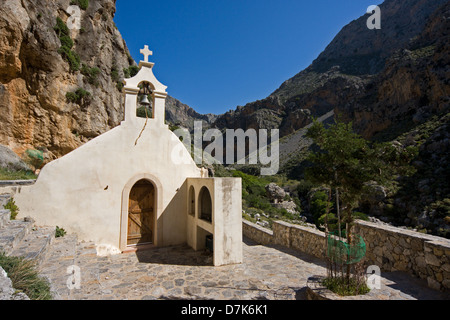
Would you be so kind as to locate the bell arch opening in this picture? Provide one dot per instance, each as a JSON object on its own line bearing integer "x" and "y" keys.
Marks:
{"x": 145, "y": 101}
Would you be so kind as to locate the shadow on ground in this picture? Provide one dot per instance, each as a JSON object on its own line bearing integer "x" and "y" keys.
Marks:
{"x": 412, "y": 286}
{"x": 292, "y": 252}
{"x": 177, "y": 255}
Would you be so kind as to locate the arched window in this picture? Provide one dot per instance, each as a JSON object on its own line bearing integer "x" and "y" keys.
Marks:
{"x": 205, "y": 205}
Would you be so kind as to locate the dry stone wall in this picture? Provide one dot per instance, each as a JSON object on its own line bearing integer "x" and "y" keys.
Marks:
{"x": 390, "y": 248}
{"x": 396, "y": 249}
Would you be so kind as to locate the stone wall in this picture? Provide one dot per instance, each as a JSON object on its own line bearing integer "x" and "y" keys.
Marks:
{"x": 390, "y": 248}
{"x": 257, "y": 233}
{"x": 304, "y": 239}
{"x": 395, "y": 249}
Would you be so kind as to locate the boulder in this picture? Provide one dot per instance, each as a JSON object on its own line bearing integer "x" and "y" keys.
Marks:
{"x": 11, "y": 161}
{"x": 275, "y": 193}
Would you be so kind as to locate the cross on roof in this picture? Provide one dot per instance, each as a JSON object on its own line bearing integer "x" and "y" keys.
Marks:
{"x": 146, "y": 52}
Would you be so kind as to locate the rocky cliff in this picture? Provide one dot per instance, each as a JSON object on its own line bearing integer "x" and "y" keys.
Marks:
{"x": 61, "y": 87}
{"x": 363, "y": 73}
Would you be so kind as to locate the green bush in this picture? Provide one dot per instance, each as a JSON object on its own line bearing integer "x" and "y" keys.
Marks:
{"x": 25, "y": 278}
{"x": 80, "y": 96}
{"x": 60, "y": 232}
{"x": 71, "y": 57}
{"x": 131, "y": 71}
{"x": 72, "y": 97}
{"x": 11, "y": 206}
{"x": 360, "y": 216}
{"x": 119, "y": 86}
{"x": 83, "y": 4}
{"x": 341, "y": 287}
{"x": 304, "y": 187}
{"x": 65, "y": 50}
{"x": 61, "y": 28}
{"x": 115, "y": 74}
{"x": 66, "y": 41}
{"x": 91, "y": 74}
{"x": 319, "y": 205}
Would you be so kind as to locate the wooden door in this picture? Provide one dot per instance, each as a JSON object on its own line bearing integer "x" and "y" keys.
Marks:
{"x": 141, "y": 213}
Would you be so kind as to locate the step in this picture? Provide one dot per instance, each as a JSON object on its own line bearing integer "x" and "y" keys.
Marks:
{"x": 13, "y": 233}
{"x": 5, "y": 217}
{"x": 61, "y": 256}
{"x": 35, "y": 244}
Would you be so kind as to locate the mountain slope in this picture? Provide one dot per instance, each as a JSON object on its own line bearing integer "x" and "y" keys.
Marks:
{"x": 342, "y": 74}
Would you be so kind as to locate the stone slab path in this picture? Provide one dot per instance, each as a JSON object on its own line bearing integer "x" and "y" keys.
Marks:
{"x": 273, "y": 273}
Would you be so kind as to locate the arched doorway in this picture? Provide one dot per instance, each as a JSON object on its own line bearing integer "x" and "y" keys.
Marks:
{"x": 141, "y": 213}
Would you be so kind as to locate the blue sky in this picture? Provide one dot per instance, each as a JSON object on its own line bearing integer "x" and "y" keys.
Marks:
{"x": 216, "y": 55}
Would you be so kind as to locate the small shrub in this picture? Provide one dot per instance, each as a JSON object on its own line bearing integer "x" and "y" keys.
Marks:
{"x": 25, "y": 278}
{"x": 65, "y": 50}
{"x": 130, "y": 71}
{"x": 119, "y": 86}
{"x": 91, "y": 74}
{"x": 71, "y": 57}
{"x": 72, "y": 97}
{"x": 115, "y": 74}
{"x": 66, "y": 41}
{"x": 80, "y": 96}
{"x": 83, "y": 4}
{"x": 60, "y": 232}
{"x": 319, "y": 205}
{"x": 61, "y": 28}
{"x": 341, "y": 287}
{"x": 304, "y": 187}
{"x": 11, "y": 206}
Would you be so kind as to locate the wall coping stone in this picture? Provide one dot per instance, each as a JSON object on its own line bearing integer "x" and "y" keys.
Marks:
{"x": 409, "y": 233}
{"x": 8, "y": 183}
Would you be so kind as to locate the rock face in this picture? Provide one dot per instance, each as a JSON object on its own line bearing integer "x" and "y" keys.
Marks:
{"x": 180, "y": 114}
{"x": 10, "y": 161}
{"x": 35, "y": 79}
{"x": 371, "y": 77}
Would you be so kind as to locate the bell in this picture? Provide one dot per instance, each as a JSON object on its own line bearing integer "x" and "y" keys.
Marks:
{"x": 144, "y": 101}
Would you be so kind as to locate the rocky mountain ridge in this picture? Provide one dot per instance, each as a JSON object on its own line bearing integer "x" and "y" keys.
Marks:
{"x": 347, "y": 73}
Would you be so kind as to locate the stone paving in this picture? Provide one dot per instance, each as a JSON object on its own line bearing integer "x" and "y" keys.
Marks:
{"x": 273, "y": 273}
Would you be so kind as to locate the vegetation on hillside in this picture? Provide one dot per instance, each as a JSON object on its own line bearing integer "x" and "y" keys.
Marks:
{"x": 65, "y": 50}
{"x": 16, "y": 175}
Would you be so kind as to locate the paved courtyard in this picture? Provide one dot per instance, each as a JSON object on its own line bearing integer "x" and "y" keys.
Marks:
{"x": 273, "y": 273}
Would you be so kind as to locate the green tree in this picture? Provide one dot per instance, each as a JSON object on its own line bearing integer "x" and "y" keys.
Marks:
{"x": 345, "y": 161}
